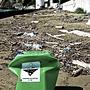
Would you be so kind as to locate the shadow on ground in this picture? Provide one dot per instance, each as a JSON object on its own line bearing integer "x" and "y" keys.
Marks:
{"x": 7, "y": 13}
{"x": 68, "y": 88}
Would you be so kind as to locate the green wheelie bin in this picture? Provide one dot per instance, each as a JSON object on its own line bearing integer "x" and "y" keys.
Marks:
{"x": 36, "y": 70}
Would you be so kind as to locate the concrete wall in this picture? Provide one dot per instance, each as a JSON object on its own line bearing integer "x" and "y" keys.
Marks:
{"x": 72, "y": 5}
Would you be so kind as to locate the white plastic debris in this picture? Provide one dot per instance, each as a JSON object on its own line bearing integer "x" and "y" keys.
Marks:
{"x": 29, "y": 34}
{"x": 59, "y": 27}
{"x": 64, "y": 31}
{"x": 88, "y": 23}
{"x": 51, "y": 42}
{"x": 77, "y": 72}
{"x": 33, "y": 46}
{"x": 35, "y": 22}
{"x": 80, "y": 63}
{"x": 28, "y": 45}
{"x": 80, "y": 33}
{"x": 76, "y": 43}
{"x": 76, "y": 32}
{"x": 37, "y": 46}
{"x": 59, "y": 35}
{"x": 53, "y": 36}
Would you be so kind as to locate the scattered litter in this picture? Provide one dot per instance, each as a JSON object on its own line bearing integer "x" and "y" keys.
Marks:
{"x": 35, "y": 22}
{"x": 76, "y": 43}
{"x": 54, "y": 36}
{"x": 51, "y": 42}
{"x": 66, "y": 50}
{"x": 28, "y": 45}
{"x": 64, "y": 31}
{"x": 80, "y": 63}
{"x": 33, "y": 46}
{"x": 59, "y": 27}
{"x": 21, "y": 34}
{"x": 36, "y": 46}
{"x": 76, "y": 32}
{"x": 80, "y": 33}
{"x": 29, "y": 34}
{"x": 59, "y": 35}
{"x": 77, "y": 72}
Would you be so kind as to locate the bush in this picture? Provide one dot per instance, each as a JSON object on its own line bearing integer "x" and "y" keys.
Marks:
{"x": 80, "y": 11}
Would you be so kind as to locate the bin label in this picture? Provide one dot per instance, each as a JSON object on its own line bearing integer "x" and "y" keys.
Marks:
{"x": 30, "y": 72}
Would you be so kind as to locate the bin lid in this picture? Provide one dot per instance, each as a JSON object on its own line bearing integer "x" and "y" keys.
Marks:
{"x": 45, "y": 58}
{"x": 30, "y": 56}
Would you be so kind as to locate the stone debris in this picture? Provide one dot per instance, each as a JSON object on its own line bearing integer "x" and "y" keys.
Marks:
{"x": 80, "y": 33}
{"x": 35, "y": 22}
{"x": 77, "y": 72}
{"x": 76, "y": 32}
{"x": 54, "y": 36}
{"x": 29, "y": 34}
{"x": 21, "y": 35}
{"x": 55, "y": 43}
{"x": 59, "y": 27}
{"x": 76, "y": 43}
{"x": 83, "y": 64}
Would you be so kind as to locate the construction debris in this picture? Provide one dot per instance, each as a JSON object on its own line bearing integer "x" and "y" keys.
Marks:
{"x": 77, "y": 72}
{"x": 29, "y": 34}
{"x": 54, "y": 36}
{"x": 76, "y": 32}
{"x": 55, "y": 43}
{"x": 37, "y": 31}
{"x": 35, "y": 22}
{"x": 83, "y": 64}
{"x": 59, "y": 27}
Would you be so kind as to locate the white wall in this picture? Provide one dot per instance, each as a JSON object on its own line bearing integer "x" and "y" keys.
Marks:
{"x": 72, "y": 5}
{"x": 39, "y": 3}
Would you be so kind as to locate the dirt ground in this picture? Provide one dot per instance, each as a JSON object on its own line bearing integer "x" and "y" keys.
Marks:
{"x": 11, "y": 40}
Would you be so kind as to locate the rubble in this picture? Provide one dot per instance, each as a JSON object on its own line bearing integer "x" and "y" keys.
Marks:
{"x": 59, "y": 27}
{"x": 77, "y": 72}
{"x": 54, "y": 36}
{"x": 29, "y": 34}
{"x": 35, "y": 22}
{"x": 83, "y": 64}
{"x": 76, "y": 32}
{"x": 55, "y": 43}
{"x": 25, "y": 33}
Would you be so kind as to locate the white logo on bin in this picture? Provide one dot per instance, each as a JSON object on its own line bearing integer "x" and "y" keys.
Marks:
{"x": 30, "y": 72}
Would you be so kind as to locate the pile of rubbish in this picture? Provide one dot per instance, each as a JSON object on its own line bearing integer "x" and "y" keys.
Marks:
{"x": 18, "y": 36}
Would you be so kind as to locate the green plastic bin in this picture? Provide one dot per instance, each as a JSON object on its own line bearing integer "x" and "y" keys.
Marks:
{"x": 36, "y": 70}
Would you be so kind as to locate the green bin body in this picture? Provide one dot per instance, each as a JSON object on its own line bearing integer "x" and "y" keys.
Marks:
{"x": 36, "y": 70}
